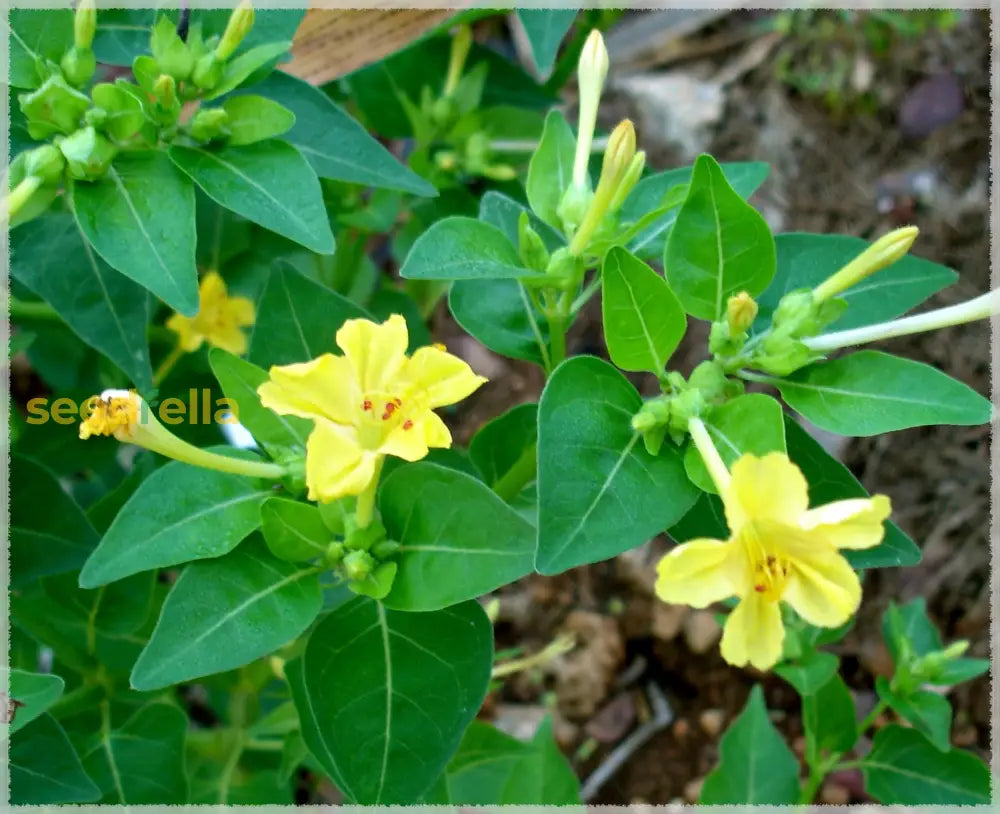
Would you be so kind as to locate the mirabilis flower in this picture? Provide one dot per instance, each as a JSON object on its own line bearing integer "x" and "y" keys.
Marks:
{"x": 779, "y": 550}
{"x": 219, "y": 320}
{"x": 371, "y": 402}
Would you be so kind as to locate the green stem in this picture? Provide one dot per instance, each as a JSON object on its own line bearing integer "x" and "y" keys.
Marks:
{"x": 33, "y": 310}
{"x": 365, "y": 509}
{"x": 167, "y": 364}
{"x": 589, "y": 291}
{"x": 759, "y": 377}
{"x": 557, "y": 338}
{"x": 522, "y": 473}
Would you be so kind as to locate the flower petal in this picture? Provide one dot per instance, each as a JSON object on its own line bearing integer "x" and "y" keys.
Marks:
{"x": 767, "y": 488}
{"x": 426, "y": 430}
{"x": 441, "y": 376}
{"x": 324, "y": 388}
{"x": 336, "y": 465}
{"x": 229, "y": 338}
{"x": 698, "y": 573}
{"x": 376, "y": 351}
{"x": 753, "y": 633}
{"x": 187, "y": 335}
{"x": 822, "y": 587}
{"x": 857, "y": 523}
{"x": 211, "y": 290}
{"x": 241, "y": 311}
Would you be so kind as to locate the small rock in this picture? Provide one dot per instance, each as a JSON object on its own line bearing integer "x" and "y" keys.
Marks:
{"x": 681, "y": 728}
{"x": 613, "y": 720}
{"x": 667, "y": 620}
{"x": 711, "y": 721}
{"x": 701, "y": 631}
{"x": 931, "y": 104}
{"x": 520, "y": 721}
{"x": 833, "y": 794}
{"x": 692, "y": 789}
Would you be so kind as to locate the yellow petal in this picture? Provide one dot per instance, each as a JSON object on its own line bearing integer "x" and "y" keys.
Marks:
{"x": 823, "y": 588}
{"x": 857, "y": 523}
{"x": 377, "y": 352}
{"x": 768, "y": 488}
{"x": 187, "y": 336}
{"x": 443, "y": 377}
{"x": 212, "y": 289}
{"x": 323, "y": 388}
{"x": 427, "y": 430}
{"x": 336, "y": 465}
{"x": 230, "y": 338}
{"x": 241, "y": 311}
{"x": 698, "y": 573}
{"x": 753, "y": 633}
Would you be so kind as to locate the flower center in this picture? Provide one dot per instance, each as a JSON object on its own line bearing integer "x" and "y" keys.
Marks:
{"x": 381, "y": 415}
{"x": 108, "y": 415}
{"x": 768, "y": 570}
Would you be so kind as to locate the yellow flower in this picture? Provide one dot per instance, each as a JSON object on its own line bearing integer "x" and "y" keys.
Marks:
{"x": 218, "y": 321}
{"x": 779, "y": 549}
{"x": 371, "y": 402}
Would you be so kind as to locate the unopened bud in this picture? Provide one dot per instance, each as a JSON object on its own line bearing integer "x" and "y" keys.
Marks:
{"x": 165, "y": 91}
{"x": 741, "y": 311}
{"x": 78, "y": 65}
{"x": 207, "y": 72}
{"x": 84, "y": 24}
{"x": 209, "y": 124}
{"x": 54, "y": 108}
{"x": 592, "y": 70}
{"x": 883, "y": 252}
{"x": 357, "y": 565}
{"x": 240, "y": 23}
{"x": 530, "y": 247}
{"x": 45, "y": 162}
{"x": 461, "y": 43}
{"x": 628, "y": 182}
{"x": 88, "y": 154}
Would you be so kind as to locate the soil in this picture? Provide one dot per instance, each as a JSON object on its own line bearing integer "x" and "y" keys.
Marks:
{"x": 858, "y": 174}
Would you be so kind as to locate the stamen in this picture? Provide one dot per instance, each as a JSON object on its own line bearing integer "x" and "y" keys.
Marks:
{"x": 366, "y": 405}
{"x": 407, "y": 425}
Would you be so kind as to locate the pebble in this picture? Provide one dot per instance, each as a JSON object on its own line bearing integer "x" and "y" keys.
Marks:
{"x": 711, "y": 721}
{"x": 701, "y": 631}
{"x": 833, "y": 794}
{"x": 681, "y": 728}
{"x": 667, "y": 620}
{"x": 692, "y": 789}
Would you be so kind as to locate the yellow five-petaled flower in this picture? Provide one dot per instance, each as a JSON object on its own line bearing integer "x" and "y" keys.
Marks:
{"x": 371, "y": 402}
{"x": 779, "y": 549}
{"x": 219, "y": 320}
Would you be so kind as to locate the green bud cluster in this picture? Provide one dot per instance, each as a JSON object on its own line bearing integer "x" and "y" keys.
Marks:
{"x": 365, "y": 558}
{"x": 798, "y": 315}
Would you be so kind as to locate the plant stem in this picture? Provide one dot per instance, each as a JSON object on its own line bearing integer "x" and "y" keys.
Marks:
{"x": 557, "y": 337}
{"x": 518, "y": 476}
{"x": 589, "y": 291}
{"x": 365, "y": 508}
{"x": 33, "y": 310}
{"x": 167, "y": 364}
{"x": 709, "y": 454}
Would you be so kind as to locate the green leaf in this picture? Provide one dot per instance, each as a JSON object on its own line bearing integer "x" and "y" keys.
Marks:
{"x": 293, "y": 531}
{"x": 958, "y": 670}
{"x": 35, "y": 693}
{"x": 650, "y": 193}
{"x": 905, "y": 768}
{"x": 268, "y": 182}
{"x": 599, "y": 491}
{"x": 336, "y": 145}
{"x": 424, "y": 678}
{"x": 643, "y": 321}
{"x": 543, "y": 777}
{"x": 482, "y": 766}
{"x": 909, "y": 623}
{"x": 753, "y": 423}
{"x": 706, "y": 518}
{"x": 238, "y": 70}
{"x": 239, "y": 380}
{"x": 830, "y": 480}
{"x": 928, "y": 712}
{"x": 255, "y": 118}
{"x": 140, "y": 219}
{"x": 44, "y": 768}
{"x": 122, "y": 760}
{"x": 503, "y": 212}
{"x": 36, "y": 35}
{"x": 179, "y": 513}
{"x": 225, "y": 613}
{"x": 500, "y": 443}
{"x": 755, "y": 764}
{"x": 459, "y": 248}
{"x": 828, "y": 717}
{"x": 809, "y": 673}
{"x": 297, "y": 320}
{"x": 806, "y": 260}
{"x": 104, "y": 308}
{"x": 546, "y": 28}
{"x": 550, "y": 171}
{"x": 870, "y": 392}
{"x": 719, "y": 246}
{"x": 51, "y": 541}
{"x": 458, "y": 540}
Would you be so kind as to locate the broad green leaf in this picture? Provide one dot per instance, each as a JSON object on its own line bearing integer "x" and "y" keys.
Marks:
{"x": 293, "y": 531}
{"x": 599, "y": 491}
{"x": 650, "y": 193}
{"x": 643, "y": 321}
{"x": 719, "y": 246}
{"x": 830, "y": 480}
{"x": 870, "y": 392}
{"x": 142, "y": 761}
{"x": 810, "y": 673}
{"x": 482, "y": 766}
{"x": 225, "y": 613}
{"x": 35, "y": 35}
{"x": 254, "y": 118}
{"x": 458, "y": 540}
{"x": 959, "y": 670}
{"x": 928, "y": 712}
{"x": 241, "y": 67}
{"x": 45, "y": 769}
{"x": 499, "y": 313}
{"x": 140, "y": 219}
{"x": 459, "y": 248}
{"x": 755, "y": 765}
{"x": 828, "y": 717}
{"x": 49, "y": 533}
{"x": 750, "y": 424}
{"x": 239, "y": 380}
{"x": 546, "y": 28}
{"x": 34, "y": 693}
{"x": 905, "y": 768}
{"x": 297, "y": 320}
{"x": 909, "y": 623}
{"x": 806, "y": 260}
{"x": 498, "y": 210}
{"x": 333, "y": 143}
{"x": 384, "y": 733}
{"x": 550, "y": 171}
{"x": 268, "y": 182}
{"x": 179, "y": 513}
{"x": 543, "y": 777}
{"x": 104, "y": 308}
{"x": 500, "y": 444}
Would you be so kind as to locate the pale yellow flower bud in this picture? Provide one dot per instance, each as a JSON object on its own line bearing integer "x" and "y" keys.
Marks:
{"x": 741, "y": 311}
{"x": 461, "y": 44}
{"x": 632, "y": 176}
{"x": 240, "y": 23}
{"x": 883, "y": 252}
{"x": 592, "y": 70}
{"x": 84, "y": 24}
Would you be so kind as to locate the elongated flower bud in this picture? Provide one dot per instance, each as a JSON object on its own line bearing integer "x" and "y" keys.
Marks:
{"x": 461, "y": 43}
{"x": 591, "y": 72}
{"x": 617, "y": 160}
{"x": 84, "y": 24}
{"x": 741, "y": 311}
{"x": 883, "y": 252}
{"x": 628, "y": 182}
{"x": 240, "y": 23}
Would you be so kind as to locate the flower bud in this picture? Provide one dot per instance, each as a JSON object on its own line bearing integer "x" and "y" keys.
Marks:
{"x": 357, "y": 565}
{"x": 461, "y": 44}
{"x": 592, "y": 70}
{"x": 883, "y": 252}
{"x": 171, "y": 53}
{"x": 207, "y": 72}
{"x": 78, "y": 65}
{"x": 165, "y": 91}
{"x": 573, "y": 206}
{"x": 377, "y": 584}
{"x": 54, "y": 108}
{"x": 530, "y": 247}
{"x": 240, "y": 23}
{"x": 45, "y": 162}
{"x": 84, "y": 24}
{"x": 741, "y": 311}
{"x": 628, "y": 182}
{"x": 209, "y": 124}
{"x": 88, "y": 154}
